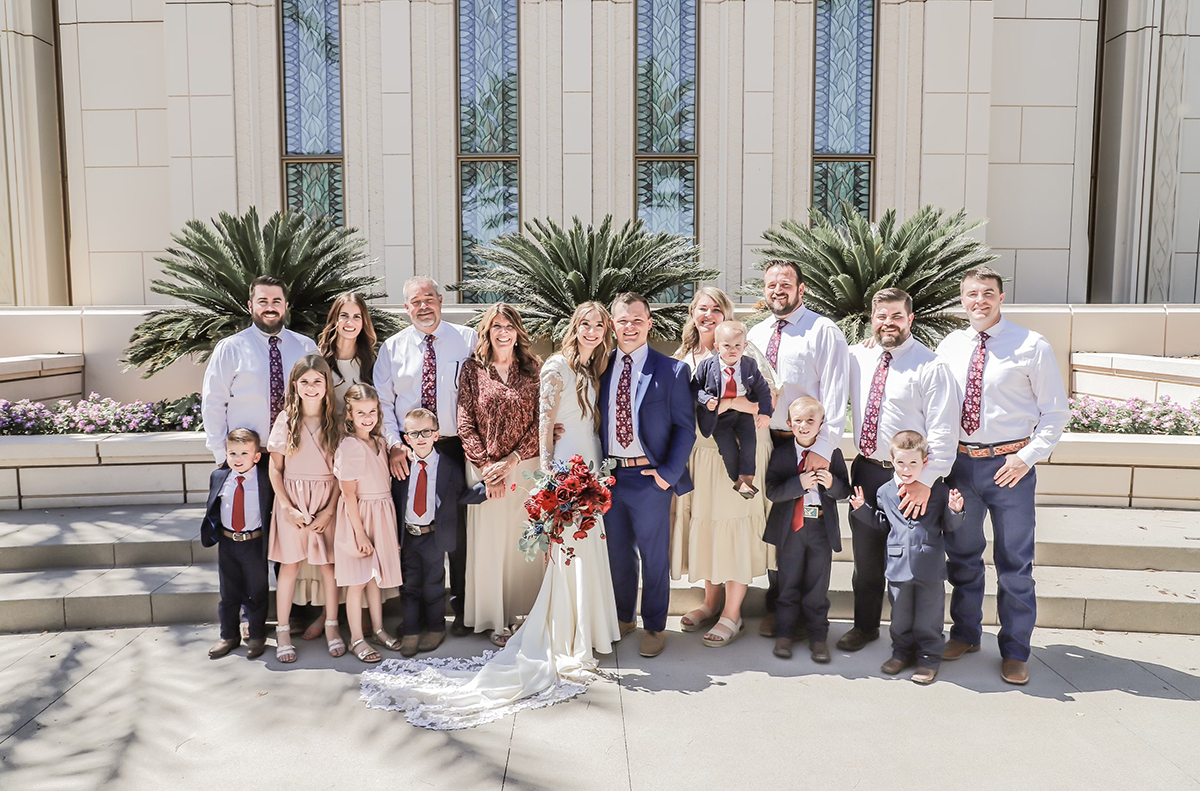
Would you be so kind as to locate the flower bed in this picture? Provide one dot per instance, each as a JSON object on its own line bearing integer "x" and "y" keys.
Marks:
{"x": 1135, "y": 416}
{"x": 96, "y": 415}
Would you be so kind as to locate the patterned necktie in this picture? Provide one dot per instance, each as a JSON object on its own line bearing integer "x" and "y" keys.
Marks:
{"x": 973, "y": 403}
{"x": 730, "y": 385}
{"x": 429, "y": 377}
{"x": 276, "y": 378}
{"x": 624, "y": 412}
{"x": 870, "y": 427}
{"x": 421, "y": 495}
{"x": 773, "y": 344}
{"x": 798, "y": 513}
{"x": 239, "y": 506}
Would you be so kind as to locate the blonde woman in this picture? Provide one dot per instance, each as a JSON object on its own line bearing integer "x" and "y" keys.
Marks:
{"x": 717, "y": 534}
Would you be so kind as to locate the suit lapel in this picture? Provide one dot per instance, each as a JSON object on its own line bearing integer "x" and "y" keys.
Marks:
{"x": 644, "y": 378}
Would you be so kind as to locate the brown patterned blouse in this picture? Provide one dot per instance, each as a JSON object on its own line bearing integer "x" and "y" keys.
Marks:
{"x": 495, "y": 418}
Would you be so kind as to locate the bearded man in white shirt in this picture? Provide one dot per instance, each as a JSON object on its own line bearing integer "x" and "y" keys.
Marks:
{"x": 1014, "y": 410}
{"x": 897, "y": 384}
{"x": 419, "y": 367}
{"x": 810, "y": 358}
{"x": 246, "y": 380}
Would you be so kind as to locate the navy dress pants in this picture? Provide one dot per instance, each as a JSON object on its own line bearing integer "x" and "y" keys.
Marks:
{"x": 423, "y": 595}
{"x": 242, "y": 576}
{"x": 638, "y": 527}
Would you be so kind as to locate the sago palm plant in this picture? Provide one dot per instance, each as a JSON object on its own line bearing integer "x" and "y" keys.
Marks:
{"x": 209, "y": 268}
{"x": 549, "y": 270}
{"x": 846, "y": 262}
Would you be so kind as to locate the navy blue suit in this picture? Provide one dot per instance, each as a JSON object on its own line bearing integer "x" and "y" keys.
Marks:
{"x": 732, "y": 430}
{"x": 241, "y": 565}
{"x": 639, "y": 522}
{"x": 423, "y": 557}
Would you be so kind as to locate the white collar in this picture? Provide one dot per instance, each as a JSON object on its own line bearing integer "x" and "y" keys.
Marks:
{"x": 900, "y": 350}
{"x": 429, "y": 460}
{"x": 992, "y": 331}
{"x": 638, "y": 355}
{"x": 794, "y": 317}
{"x": 800, "y": 448}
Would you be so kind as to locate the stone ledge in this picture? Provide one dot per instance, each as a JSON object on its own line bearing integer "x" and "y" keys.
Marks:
{"x": 167, "y": 446}
{"x": 1140, "y": 365}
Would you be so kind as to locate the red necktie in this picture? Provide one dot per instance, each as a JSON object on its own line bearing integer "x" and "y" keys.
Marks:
{"x": 798, "y": 514}
{"x": 624, "y": 410}
{"x": 730, "y": 385}
{"x": 429, "y": 377}
{"x": 239, "y": 506}
{"x": 973, "y": 403}
{"x": 870, "y": 427}
{"x": 422, "y": 492}
{"x": 773, "y": 344}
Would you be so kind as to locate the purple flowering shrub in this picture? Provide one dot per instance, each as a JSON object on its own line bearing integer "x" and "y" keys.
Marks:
{"x": 1135, "y": 416}
{"x": 96, "y": 415}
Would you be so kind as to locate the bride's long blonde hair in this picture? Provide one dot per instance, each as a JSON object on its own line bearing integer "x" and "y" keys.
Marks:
{"x": 591, "y": 370}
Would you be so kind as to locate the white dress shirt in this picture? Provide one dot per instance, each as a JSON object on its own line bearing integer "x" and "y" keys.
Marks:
{"x": 811, "y": 496}
{"x": 1023, "y": 393}
{"x": 237, "y": 384}
{"x": 250, "y": 507}
{"x": 398, "y": 376}
{"x": 919, "y": 395}
{"x": 615, "y": 448}
{"x": 813, "y": 361}
{"x": 410, "y": 516}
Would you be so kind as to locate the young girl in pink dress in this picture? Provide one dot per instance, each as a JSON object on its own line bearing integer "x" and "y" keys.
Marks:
{"x": 367, "y": 546}
{"x": 302, "y": 443}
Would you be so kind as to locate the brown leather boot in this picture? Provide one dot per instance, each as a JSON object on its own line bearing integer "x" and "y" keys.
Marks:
{"x": 956, "y": 649}
{"x": 652, "y": 644}
{"x": 783, "y": 647}
{"x": 222, "y": 648}
{"x": 767, "y": 627}
{"x": 894, "y": 665}
{"x": 1014, "y": 671}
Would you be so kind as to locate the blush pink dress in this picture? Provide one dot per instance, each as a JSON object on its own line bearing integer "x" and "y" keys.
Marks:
{"x": 309, "y": 482}
{"x": 355, "y": 460}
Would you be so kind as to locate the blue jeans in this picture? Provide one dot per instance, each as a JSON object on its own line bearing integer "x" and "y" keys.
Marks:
{"x": 1012, "y": 512}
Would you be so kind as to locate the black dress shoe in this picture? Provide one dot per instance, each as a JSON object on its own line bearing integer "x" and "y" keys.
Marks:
{"x": 820, "y": 653}
{"x": 856, "y": 638}
{"x": 459, "y": 629}
{"x": 255, "y": 648}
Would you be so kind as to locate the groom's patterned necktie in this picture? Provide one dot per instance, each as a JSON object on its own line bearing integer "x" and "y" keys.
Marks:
{"x": 973, "y": 403}
{"x": 276, "y": 378}
{"x": 773, "y": 344}
{"x": 429, "y": 377}
{"x": 798, "y": 513}
{"x": 870, "y": 427}
{"x": 624, "y": 411}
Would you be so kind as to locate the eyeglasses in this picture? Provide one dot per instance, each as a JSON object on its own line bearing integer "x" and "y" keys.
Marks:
{"x": 422, "y": 434}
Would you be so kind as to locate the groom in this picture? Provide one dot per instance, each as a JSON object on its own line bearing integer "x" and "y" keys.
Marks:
{"x": 647, "y": 424}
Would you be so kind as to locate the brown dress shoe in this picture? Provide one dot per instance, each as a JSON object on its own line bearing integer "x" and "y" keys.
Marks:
{"x": 1014, "y": 672}
{"x": 652, "y": 644}
{"x": 783, "y": 647}
{"x": 428, "y": 641}
{"x": 627, "y": 628}
{"x": 819, "y": 653}
{"x": 956, "y": 649}
{"x": 222, "y": 648}
{"x": 767, "y": 627}
{"x": 409, "y": 645}
{"x": 924, "y": 675}
{"x": 255, "y": 648}
{"x": 856, "y": 638}
{"x": 894, "y": 665}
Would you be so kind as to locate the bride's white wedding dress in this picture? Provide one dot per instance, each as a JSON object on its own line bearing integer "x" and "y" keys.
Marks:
{"x": 549, "y": 659}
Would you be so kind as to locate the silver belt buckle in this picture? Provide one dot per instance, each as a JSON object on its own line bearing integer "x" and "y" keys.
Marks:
{"x": 812, "y": 511}
{"x": 414, "y": 529}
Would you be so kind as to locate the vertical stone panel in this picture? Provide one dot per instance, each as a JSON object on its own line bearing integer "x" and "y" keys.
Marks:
{"x": 791, "y": 147}
{"x": 719, "y": 188}
{"x": 613, "y": 40}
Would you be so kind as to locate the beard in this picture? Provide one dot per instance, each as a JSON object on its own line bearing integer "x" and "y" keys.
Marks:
{"x": 787, "y": 309}
{"x": 891, "y": 342}
{"x": 269, "y": 328}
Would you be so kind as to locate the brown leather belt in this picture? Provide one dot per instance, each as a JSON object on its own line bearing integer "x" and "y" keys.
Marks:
{"x": 887, "y": 465}
{"x": 640, "y": 461}
{"x": 246, "y": 535}
{"x": 990, "y": 451}
{"x": 418, "y": 530}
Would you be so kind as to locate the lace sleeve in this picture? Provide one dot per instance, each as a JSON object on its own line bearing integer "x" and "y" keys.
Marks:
{"x": 765, "y": 368}
{"x": 549, "y": 397}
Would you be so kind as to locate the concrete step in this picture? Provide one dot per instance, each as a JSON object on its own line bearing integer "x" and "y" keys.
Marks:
{"x": 1070, "y": 598}
{"x": 1114, "y": 538}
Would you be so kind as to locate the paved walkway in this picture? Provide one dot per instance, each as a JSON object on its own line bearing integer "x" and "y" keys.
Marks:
{"x": 144, "y": 708}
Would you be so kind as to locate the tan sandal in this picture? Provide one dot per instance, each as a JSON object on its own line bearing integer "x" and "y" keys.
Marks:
{"x": 336, "y": 646}
{"x": 366, "y": 653}
{"x": 500, "y": 638}
{"x": 731, "y": 630}
{"x": 286, "y": 654}
{"x": 690, "y": 623}
{"x": 380, "y": 637}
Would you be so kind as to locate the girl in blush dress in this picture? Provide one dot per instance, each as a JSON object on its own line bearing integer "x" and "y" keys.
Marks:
{"x": 302, "y": 445}
{"x": 367, "y": 546}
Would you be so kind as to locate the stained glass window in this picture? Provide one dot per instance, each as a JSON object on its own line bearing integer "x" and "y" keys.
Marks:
{"x": 488, "y": 129}
{"x": 666, "y": 121}
{"x": 312, "y": 106}
{"x": 842, "y": 104}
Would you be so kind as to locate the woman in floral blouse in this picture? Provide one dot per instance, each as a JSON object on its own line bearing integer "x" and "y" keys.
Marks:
{"x": 498, "y": 425}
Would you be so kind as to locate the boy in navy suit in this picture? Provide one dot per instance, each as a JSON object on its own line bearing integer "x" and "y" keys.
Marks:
{"x": 428, "y": 526}
{"x": 803, "y": 526}
{"x": 719, "y": 379}
{"x": 236, "y": 520}
{"x": 916, "y": 558}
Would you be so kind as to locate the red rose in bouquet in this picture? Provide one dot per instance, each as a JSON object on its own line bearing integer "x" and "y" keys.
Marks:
{"x": 571, "y": 495}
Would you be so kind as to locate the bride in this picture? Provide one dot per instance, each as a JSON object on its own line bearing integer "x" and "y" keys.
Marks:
{"x": 549, "y": 658}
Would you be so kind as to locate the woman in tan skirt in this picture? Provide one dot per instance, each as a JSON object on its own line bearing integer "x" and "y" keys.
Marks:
{"x": 498, "y": 425}
{"x": 717, "y": 534}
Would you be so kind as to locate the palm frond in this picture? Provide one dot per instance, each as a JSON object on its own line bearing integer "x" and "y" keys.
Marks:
{"x": 209, "y": 268}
